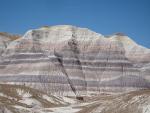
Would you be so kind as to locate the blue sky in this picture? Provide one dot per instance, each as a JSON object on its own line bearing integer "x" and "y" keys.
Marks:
{"x": 131, "y": 17}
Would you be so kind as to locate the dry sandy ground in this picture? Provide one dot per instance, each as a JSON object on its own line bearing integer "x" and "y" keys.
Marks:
{"x": 21, "y": 99}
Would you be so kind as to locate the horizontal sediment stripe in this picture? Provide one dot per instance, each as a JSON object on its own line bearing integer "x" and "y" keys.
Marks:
{"x": 90, "y": 68}
{"x": 26, "y": 56}
{"x": 69, "y": 61}
{"x": 86, "y": 68}
{"x": 88, "y": 56}
{"x": 76, "y": 82}
{"x": 107, "y": 68}
{"x": 36, "y": 78}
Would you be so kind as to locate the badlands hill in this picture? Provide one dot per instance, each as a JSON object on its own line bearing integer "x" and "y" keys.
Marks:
{"x": 5, "y": 39}
{"x": 70, "y": 61}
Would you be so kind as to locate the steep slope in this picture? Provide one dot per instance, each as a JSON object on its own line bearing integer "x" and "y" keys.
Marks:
{"x": 134, "y": 52}
{"x": 67, "y": 60}
{"x": 5, "y": 39}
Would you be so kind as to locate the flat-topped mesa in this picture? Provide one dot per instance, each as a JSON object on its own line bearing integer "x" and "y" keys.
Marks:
{"x": 61, "y": 33}
{"x": 68, "y": 60}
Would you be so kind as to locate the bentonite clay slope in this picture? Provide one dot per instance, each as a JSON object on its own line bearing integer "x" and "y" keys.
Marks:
{"x": 67, "y": 60}
{"x": 5, "y": 39}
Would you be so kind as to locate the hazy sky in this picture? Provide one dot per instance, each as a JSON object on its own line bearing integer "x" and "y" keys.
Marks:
{"x": 131, "y": 17}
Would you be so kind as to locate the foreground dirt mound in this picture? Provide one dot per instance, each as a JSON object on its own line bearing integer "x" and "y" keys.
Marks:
{"x": 21, "y": 99}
